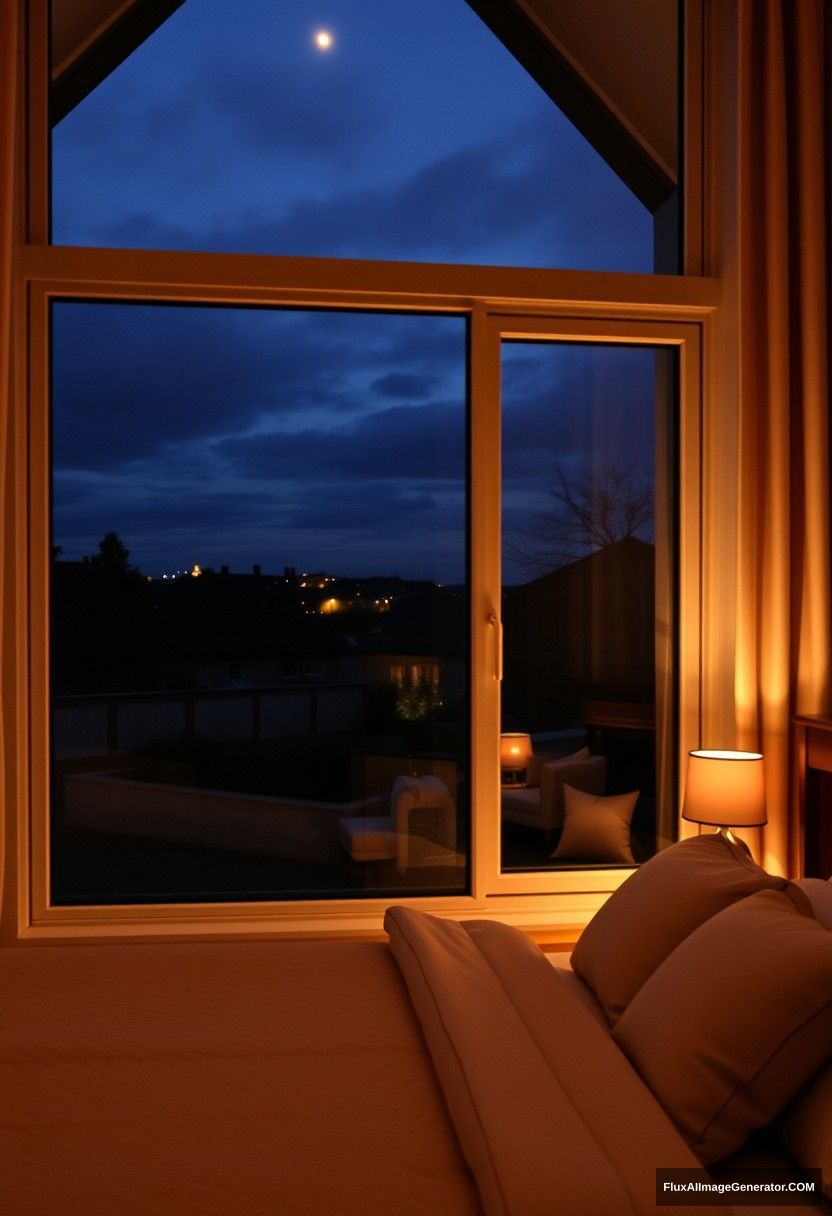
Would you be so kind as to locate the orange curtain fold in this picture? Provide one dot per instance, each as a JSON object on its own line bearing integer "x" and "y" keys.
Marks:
{"x": 783, "y": 605}
{"x": 9, "y": 219}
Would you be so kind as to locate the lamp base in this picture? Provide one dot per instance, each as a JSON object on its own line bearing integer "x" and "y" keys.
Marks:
{"x": 728, "y": 835}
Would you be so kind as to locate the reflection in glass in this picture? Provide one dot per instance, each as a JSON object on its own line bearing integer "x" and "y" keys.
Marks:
{"x": 259, "y": 604}
{"x": 579, "y": 601}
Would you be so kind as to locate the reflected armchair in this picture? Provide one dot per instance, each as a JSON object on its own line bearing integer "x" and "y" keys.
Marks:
{"x": 540, "y": 803}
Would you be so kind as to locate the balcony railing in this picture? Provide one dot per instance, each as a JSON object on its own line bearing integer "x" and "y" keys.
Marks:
{"x": 135, "y": 720}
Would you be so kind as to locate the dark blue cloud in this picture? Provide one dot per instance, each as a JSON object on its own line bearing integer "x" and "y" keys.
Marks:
{"x": 511, "y": 200}
{"x": 408, "y": 442}
{"x": 351, "y": 527}
{"x": 133, "y": 381}
{"x": 329, "y": 116}
{"x": 388, "y": 510}
{"x": 570, "y": 402}
{"x": 408, "y": 385}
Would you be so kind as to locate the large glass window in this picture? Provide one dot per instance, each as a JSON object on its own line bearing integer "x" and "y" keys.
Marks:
{"x": 260, "y": 608}
{"x": 396, "y": 130}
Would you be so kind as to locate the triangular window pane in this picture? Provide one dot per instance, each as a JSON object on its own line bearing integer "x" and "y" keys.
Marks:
{"x": 415, "y": 136}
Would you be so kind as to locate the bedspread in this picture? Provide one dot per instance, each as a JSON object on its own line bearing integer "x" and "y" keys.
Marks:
{"x": 219, "y": 1079}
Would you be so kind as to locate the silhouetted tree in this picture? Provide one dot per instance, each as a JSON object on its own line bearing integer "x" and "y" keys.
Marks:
{"x": 598, "y": 509}
{"x": 103, "y": 624}
{"x": 112, "y": 555}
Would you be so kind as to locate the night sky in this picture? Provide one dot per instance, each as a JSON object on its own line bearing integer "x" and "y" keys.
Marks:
{"x": 323, "y": 441}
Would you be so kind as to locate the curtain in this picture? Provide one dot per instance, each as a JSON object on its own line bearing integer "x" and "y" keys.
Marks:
{"x": 9, "y": 219}
{"x": 783, "y": 605}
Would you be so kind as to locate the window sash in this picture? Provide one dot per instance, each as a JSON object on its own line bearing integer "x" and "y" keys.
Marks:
{"x": 95, "y": 274}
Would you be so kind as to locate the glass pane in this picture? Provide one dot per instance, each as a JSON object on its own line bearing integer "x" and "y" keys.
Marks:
{"x": 415, "y": 135}
{"x": 259, "y": 604}
{"x": 580, "y": 428}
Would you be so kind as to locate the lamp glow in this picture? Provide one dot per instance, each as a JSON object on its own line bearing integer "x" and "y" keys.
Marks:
{"x": 515, "y": 753}
{"x": 324, "y": 40}
{"x": 725, "y": 789}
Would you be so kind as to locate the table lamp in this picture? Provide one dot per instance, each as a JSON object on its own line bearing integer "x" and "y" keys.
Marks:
{"x": 725, "y": 789}
{"x": 515, "y": 752}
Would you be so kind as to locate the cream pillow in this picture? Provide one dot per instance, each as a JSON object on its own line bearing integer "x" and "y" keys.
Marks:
{"x": 819, "y": 893}
{"x": 656, "y": 908}
{"x": 595, "y": 827}
{"x": 735, "y": 1020}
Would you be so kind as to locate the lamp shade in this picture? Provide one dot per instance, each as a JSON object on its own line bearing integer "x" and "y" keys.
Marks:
{"x": 726, "y": 789}
{"x": 515, "y": 750}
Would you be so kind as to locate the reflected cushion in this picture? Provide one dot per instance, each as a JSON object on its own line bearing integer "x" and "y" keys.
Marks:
{"x": 596, "y": 828}
{"x": 656, "y": 908}
{"x": 735, "y": 1020}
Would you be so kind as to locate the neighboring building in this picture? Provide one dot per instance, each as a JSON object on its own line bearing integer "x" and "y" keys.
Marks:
{"x": 585, "y": 630}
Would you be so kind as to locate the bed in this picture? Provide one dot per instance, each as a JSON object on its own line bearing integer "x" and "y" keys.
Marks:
{"x": 451, "y": 1072}
{"x": 292, "y": 1079}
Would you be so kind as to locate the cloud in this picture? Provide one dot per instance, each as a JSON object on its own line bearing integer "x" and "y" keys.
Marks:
{"x": 520, "y": 199}
{"x": 576, "y": 402}
{"x": 274, "y": 524}
{"x": 385, "y": 509}
{"x": 151, "y": 414}
{"x": 410, "y": 442}
{"x": 327, "y": 117}
{"x": 135, "y": 382}
{"x": 409, "y": 386}
{"x": 537, "y": 195}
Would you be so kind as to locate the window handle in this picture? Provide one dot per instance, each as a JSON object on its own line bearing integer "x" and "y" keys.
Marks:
{"x": 497, "y": 625}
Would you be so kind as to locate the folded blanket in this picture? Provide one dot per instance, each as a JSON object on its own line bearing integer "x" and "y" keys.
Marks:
{"x": 550, "y": 1115}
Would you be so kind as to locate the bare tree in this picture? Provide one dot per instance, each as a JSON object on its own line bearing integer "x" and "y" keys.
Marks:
{"x": 601, "y": 507}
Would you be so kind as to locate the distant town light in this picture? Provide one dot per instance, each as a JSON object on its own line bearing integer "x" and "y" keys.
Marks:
{"x": 324, "y": 40}
{"x": 196, "y": 571}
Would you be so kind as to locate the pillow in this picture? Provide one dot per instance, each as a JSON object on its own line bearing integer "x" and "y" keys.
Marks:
{"x": 735, "y": 1020}
{"x": 537, "y": 761}
{"x": 819, "y": 893}
{"x": 596, "y": 828}
{"x": 806, "y": 1127}
{"x": 656, "y": 908}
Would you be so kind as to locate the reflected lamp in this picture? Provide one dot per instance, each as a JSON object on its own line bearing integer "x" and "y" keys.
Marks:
{"x": 725, "y": 789}
{"x": 515, "y": 753}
